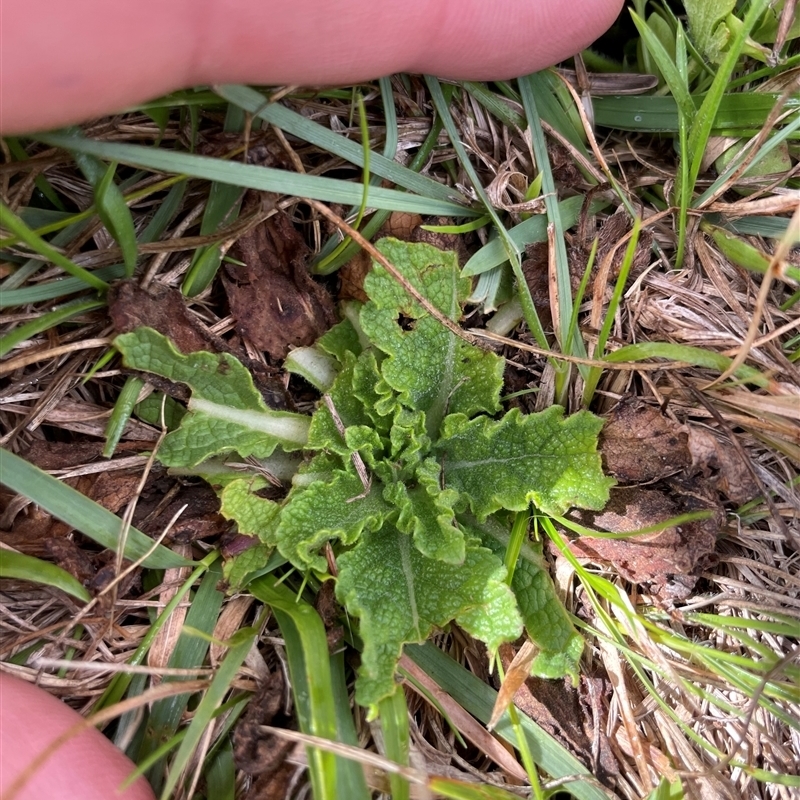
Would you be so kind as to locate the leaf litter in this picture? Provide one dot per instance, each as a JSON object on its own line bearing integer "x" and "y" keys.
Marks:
{"x": 686, "y": 462}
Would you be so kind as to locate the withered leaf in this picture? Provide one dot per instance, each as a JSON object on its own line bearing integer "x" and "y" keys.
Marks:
{"x": 199, "y": 520}
{"x": 163, "y": 309}
{"x": 719, "y": 462}
{"x": 255, "y": 752}
{"x": 639, "y": 444}
{"x": 275, "y": 302}
{"x": 666, "y": 561}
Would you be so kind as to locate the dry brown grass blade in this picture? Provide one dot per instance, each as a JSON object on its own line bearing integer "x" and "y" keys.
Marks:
{"x": 465, "y": 723}
{"x": 517, "y": 673}
{"x": 26, "y": 359}
{"x": 790, "y": 238}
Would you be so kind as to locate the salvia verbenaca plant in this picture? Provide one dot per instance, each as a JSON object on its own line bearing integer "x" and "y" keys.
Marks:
{"x": 408, "y": 469}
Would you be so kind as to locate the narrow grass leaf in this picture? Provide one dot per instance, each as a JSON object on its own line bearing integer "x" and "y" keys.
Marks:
{"x": 222, "y": 208}
{"x": 28, "y": 568}
{"x": 393, "y": 714}
{"x": 81, "y": 513}
{"x": 168, "y": 207}
{"x": 703, "y": 122}
{"x": 461, "y": 790}
{"x": 350, "y": 774}
{"x": 240, "y": 646}
{"x": 220, "y": 774}
{"x": 18, "y": 228}
{"x": 190, "y": 652}
{"x": 116, "y": 216}
{"x": 507, "y": 243}
{"x": 121, "y": 413}
{"x": 478, "y": 699}
{"x": 595, "y": 373}
{"x": 532, "y": 89}
{"x": 334, "y": 143}
{"x": 736, "y": 114}
{"x": 45, "y": 322}
{"x": 531, "y": 230}
{"x": 309, "y": 666}
{"x": 121, "y": 681}
{"x": 673, "y": 76}
{"x": 266, "y": 179}
{"x": 690, "y": 355}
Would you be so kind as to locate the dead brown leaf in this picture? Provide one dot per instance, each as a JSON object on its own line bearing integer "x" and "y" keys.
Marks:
{"x": 667, "y": 561}
{"x": 163, "y": 309}
{"x": 275, "y": 302}
{"x": 639, "y": 444}
{"x": 253, "y": 751}
{"x": 720, "y": 463}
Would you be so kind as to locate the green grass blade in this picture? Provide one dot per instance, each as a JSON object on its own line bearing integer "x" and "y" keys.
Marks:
{"x": 507, "y": 243}
{"x": 350, "y": 774}
{"x": 703, "y": 122}
{"x": 168, "y": 207}
{"x": 461, "y": 790}
{"x": 63, "y": 238}
{"x": 18, "y": 228}
{"x": 336, "y": 144}
{"x": 240, "y": 646}
{"x": 393, "y": 714}
{"x": 309, "y": 666}
{"x": 690, "y": 355}
{"x": 532, "y": 88}
{"x": 595, "y": 373}
{"x": 220, "y": 775}
{"x": 222, "y": 208}
{"x": 669, "y": 69}
{"x": 46, "y": 321}
{"x": 656, "y": 114}
{"x": 80, "y": 512}
{"x": 121, "y": 681}
{"x": 121, "y": 413}
{"x": 116, "y": 216}
{"x": 478, "y": 699}
{"x": 52, "y": 290}
{"x": 28, "y": 568}
{"x": 266, "y": 179}
{"x": 190, "y": 652}
{"x": 534, "y": 229}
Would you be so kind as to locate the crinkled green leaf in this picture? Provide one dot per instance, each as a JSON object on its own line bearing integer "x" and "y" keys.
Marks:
{"x": 369, "y": 386}
{"x": 409, "y": 442}
{"x": 427, "y": 512}
{"x": 226, "y": 412}
{"x": 342, "y": 338}
{"x": 326, "y": 511}
{"x": 324, "y": 433}
{"x": 237, "y": 569}
{"x": 253, "y": 515}
{"x": 432, "y": 369}
{"x": 540, "y": 458}
{"x": 707, "y": 25}
{"x": 400, "y": 596}
{"x": 546, "y": 620}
